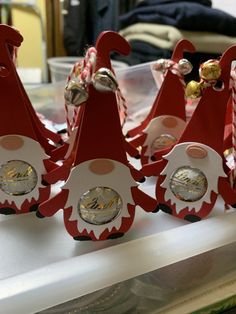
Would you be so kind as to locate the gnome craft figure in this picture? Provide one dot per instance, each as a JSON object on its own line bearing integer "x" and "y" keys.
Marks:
{"x": 100, "y": 192}
{"x": 76, "y": 94}
{"x": 23, "y": 160}
{"x": 167, "y": 118}
{"x": 194, "y": 172}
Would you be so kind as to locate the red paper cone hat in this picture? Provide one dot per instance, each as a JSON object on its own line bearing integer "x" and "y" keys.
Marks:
{"x": 207, "y": 124}
{"x": 100, "y": 134}
{"x": 171, "y": 99}
{"x": 14, "y": 117}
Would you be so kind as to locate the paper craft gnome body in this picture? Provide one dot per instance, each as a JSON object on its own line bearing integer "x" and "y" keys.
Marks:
{"x": 76, "y": 94}
{"x": 194, "y": 173}
{"x": 23, "y": 160}
{"x": 166, "y": 119}
{"x": 100, "y": 192}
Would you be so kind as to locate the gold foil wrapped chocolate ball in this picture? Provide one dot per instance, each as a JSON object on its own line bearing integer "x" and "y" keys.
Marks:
{"x": 210, "y": 70}
{"x": 193, "y": 90}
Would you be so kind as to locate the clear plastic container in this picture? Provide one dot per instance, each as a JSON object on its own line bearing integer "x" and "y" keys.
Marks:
{"x": 136, "y": 84}
{"x": 200, "y": 284}
{"x": 60, "y": 67}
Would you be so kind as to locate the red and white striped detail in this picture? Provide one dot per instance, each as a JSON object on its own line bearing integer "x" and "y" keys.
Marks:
{"x": 233, "y": 88}
{"x": 84, "y": 70}
{"x": 70, "y": 115}
{"x": 174, "y": 68}
{"x": 122, "y": 107}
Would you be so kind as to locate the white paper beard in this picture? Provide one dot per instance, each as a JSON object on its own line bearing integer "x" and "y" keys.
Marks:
{"x": 211, "y": 166}
{"x": 82, "y": 180}
{"x": 31, "y": 153}
{"x": 155, "y": 131}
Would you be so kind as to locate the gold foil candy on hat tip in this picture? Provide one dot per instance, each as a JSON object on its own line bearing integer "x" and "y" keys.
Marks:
{"x": 210, "y": 70}
{"x": 75, "y": 93}
{"x": 196, "y": 151}
{"x": 193, "y": 90}
{"x": 105, "y": 81}
{"x": 184, "y": 66}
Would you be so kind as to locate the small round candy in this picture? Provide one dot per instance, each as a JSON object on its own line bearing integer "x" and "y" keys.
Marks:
{"x": 185, "y": 67}
{"x": 210, "y": 70}
{"x": 193, "y": 90}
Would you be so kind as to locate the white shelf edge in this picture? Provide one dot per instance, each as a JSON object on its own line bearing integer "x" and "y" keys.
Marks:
{"x": 59, "y": 282}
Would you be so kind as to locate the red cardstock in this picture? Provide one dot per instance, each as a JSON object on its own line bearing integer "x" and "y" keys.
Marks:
{"x": 200, "y": 148}
{"x": 167, "y": 114}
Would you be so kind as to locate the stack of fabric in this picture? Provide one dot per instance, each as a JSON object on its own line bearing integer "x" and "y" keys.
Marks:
{"x": 153, "y": 28}
{"x": 84, "y": 20}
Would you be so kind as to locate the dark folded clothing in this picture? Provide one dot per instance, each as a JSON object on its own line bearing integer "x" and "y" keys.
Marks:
{"x": 153, "y": 2}
{"x": 142, "y": 52}
{"x": 183, "y": 15}
{"x": 146, "y": 50}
